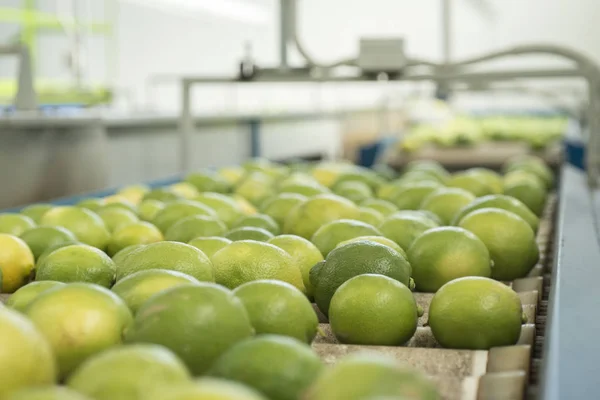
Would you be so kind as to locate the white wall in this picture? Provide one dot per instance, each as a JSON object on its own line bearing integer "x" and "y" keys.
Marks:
{"x": 151, "y": 42}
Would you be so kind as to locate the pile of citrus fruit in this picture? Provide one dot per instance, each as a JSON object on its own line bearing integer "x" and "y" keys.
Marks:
{"x": 131, "y": 296}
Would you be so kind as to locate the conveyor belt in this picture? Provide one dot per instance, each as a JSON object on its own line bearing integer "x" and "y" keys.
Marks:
{"x": 504, "y": 373}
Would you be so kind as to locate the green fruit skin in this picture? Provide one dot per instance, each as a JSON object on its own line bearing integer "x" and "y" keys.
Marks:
{"x": 15, "y": 224}
{"x": 258, "y": 221}
{"x": 79, "y": 329}
{"x": 280, "y": 367}
{"x": 36, "y": 211}
{"x": 278, "y": 308}
{"x": 475, "y": 313}
{"x": 128, "y": 373}
{"x": 209, "y": 245}
{"x": 355, "y": 259}
{"x": 195, "y": 226}
{"x": 77, "y": 263}
{"x": 513, "y": 257}
{"x": 20, "y": 299}
{"x": 199, "y": 342}
{"x": 405, "y": 229}
{"x": 26, "y": 358}
{"x": 327, "y": 237}
{"x": 531, "y": 193}
{"x": 41, "y": 238}
{"x": 373, "y": 310}
{"x": 249, "y": 233}
{"x": 173, "y": 256}
{"x": 442, "y": 254}
{"x": 137, "y": 288}
{"x": 504, "y": 202}
{"x": 304, "y": 253}
{"x": 447, "y": 202}
{"x": 177, "y": 210}
{"x": 46, "y": 393}
{"x": 362, "y": 376}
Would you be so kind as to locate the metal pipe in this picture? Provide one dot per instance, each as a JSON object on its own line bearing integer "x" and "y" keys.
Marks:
{"x": 186, "y": 127}
{"x": 446, "y": 31}
{"x": 284, "y": 30}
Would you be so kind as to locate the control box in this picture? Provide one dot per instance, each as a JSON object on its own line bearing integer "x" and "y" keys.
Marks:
{"x": 381, "y": 55}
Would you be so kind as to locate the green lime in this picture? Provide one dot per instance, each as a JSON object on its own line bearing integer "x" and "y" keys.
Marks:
{"x": 280, "y": 367}
{"x": 410, "y": 196}
{"x": 208, "y": 388}
{"x": 148, "y": 209}
{"x": 46, "y": 393}
{"x": 208, "y": 181}
{"x": 504, "y": 202}
{"x": 355, "y": 191}
{"x": 327, "y": 237}
{"x": 249, "y": 233}
{"x": 359, "y": 174}
{"x": 41, "y": 238}
{"x": 377, "y": 239}
{"x": 473, "y": 183}
{"x": 120, "y": 256}
{"x": 526, "y": 188}
{"x": 232, "y": 174}
{"x": 51, "y": 249}
{"x": 532, "y": 165}
{"x": 383, "y": 206}
{"x": 366, "y": 375}
{"x": 77, "y": 263}
{"x": 370, "y": 216}
{"x": 173, "y": 256}
{"x": 278, "y": 207}
{"x": 165, "y": 320}
{"x": 428, "y": 166}
{"x": 373, "y": 310}
{"x": 185, "y": 190}
{"x": 128, "y": 373}
{"x": 475, "y": 313}
{"x": 279, "y": 308}
{"x": 177, "y": 210}
{"x": 403, "y": 228}
{"x": 307, "y": 189}
{"x": 209, "y": 245}
{"x": 304, "y": 254}
{"x": 195, "y": 226}
{"x": 36, "y": 211}
{"x": 256, "y": 187}
{"x": 447, "y": 202}
{"x": 249, "y": 260}
{"x": 79, "y": 320}
{"x": 258, "y": 221}
{"x": 15, "y": 224}
{"x": 132, "y": 234}
{"x": 510, "y": 240}
{"x": 489, "y": 177}
{"x": 116, "y": 217}
{"x": 308, "y": 217}
{"x": 87, "y": 226}
{"x": 26, "y": 358}
{"x": 20, "y": 299}
{"x": 137, "y": 288}
{"x": 123, "y": 204}
{"x": 164, "y": 195}
{"x": 227, "y": 209}
{"x": 93, "y": 204}
{"x": 354, "y": 259}
{"x": 442, "y": 254}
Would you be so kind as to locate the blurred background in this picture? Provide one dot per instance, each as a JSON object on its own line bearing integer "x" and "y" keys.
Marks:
{"x": 92, "y": 92}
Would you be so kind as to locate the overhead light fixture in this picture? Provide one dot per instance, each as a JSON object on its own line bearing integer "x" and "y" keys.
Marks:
{"x": 237, "y": 10}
